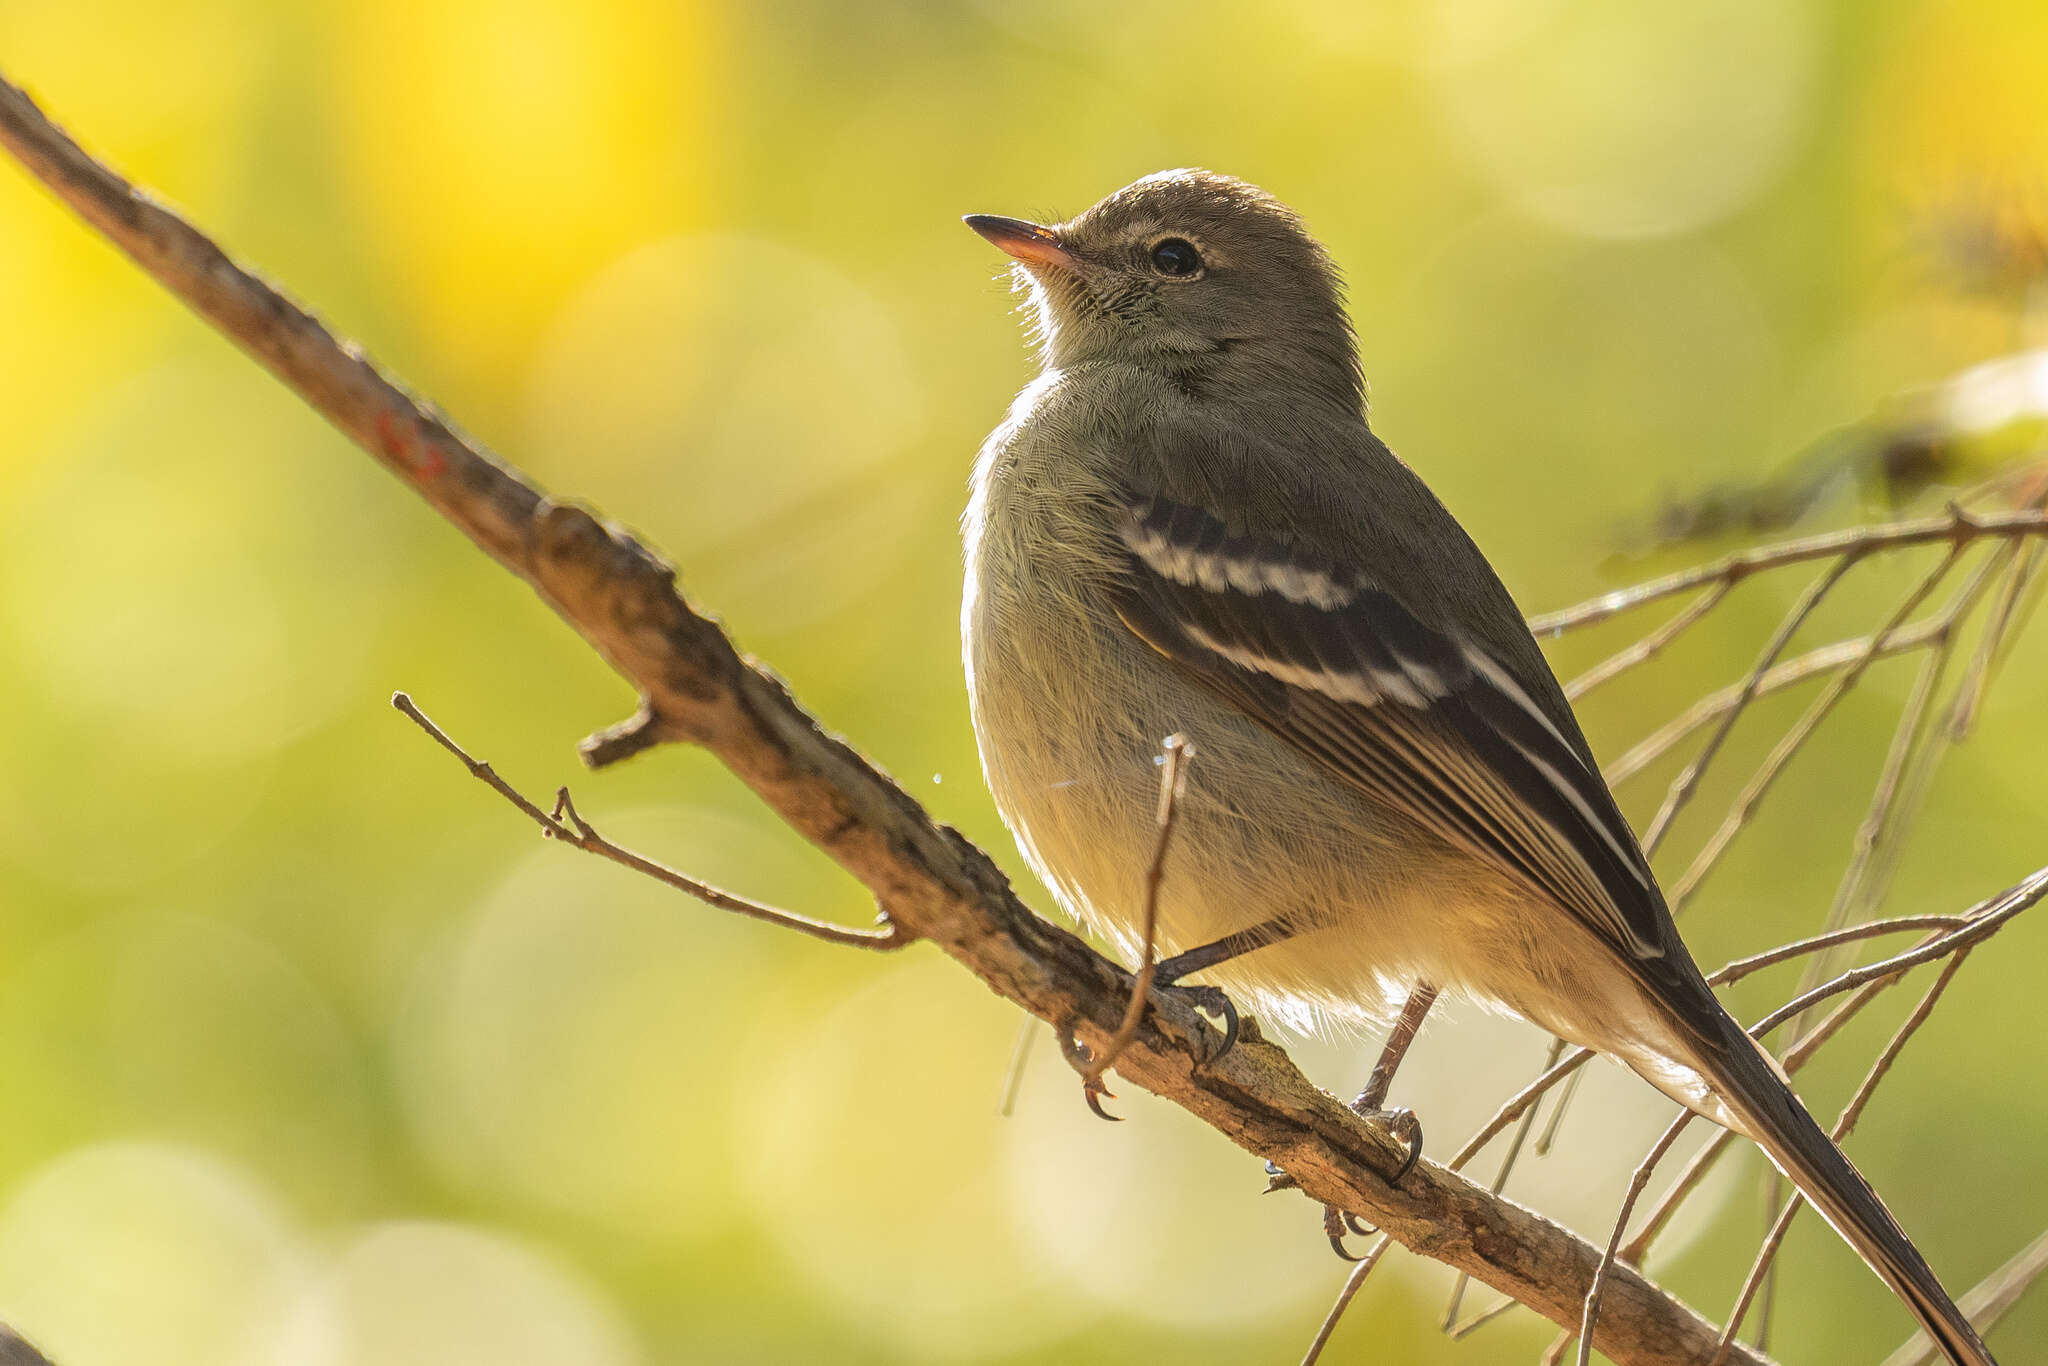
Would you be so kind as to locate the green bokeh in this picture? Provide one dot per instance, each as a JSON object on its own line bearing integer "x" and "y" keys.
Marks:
{"x": 310, "y": 1053}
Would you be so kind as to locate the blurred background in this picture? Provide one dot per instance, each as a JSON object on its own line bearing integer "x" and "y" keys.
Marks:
{"x": 310, "y": 1051}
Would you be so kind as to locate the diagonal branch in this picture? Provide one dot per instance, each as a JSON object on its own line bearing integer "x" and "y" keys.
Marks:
{"x": 928, "y": 880}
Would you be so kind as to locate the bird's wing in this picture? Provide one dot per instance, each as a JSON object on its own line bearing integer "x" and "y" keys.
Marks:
{"x": 1426, "y": 721}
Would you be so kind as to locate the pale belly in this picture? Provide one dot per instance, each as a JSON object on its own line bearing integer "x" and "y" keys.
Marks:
{"x": 1071, "y": 746}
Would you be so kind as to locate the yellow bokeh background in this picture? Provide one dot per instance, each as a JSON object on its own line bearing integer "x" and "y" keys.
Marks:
{"x": 309, "y": 1052}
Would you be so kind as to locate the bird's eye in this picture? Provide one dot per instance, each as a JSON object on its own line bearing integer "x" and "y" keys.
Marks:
{"x": 1175, "y": 256}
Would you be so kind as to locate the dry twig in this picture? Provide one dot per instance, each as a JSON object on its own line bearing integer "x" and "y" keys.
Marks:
{"x": 1174, "y": 756}
{"x": 1987, "y": 1302}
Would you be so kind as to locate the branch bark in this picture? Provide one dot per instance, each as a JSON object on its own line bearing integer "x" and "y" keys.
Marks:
{"x": 18, "y": 1351}
{"x": 929, "y": 881}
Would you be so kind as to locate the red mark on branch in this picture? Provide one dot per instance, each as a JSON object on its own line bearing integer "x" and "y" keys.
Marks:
{"x": 425, "y": 462}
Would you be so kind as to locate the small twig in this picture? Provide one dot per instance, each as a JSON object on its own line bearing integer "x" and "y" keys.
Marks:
{"x": 1984, "y": 920}
{"x": 1745, "y": 805}
{"x": 1991, "y": 645}
{"x": 567, "y": 825}
{"x": 1687, "y": 782}
{"x": 1688, "y": 1180}
{"x": 1628, "y": 1205}
{"x": 1986, "y": 1303}
{"x": 1955, "y": 526}
{"x": 1822, "y": 659}
{"x": 1877, "y": 818}
{"x": 1558, "y": 1112}
{"x": 1647, "y": 647}
{"x": 1513, "y": 1108}
{"x": 1844, "y": 1126}
{"x": 1794, "y": 1060}
{"x": 1449, "y": 1322}
{"x": 1174, "y": 755}
{"x": 1743, "y": 967}
{"x": 1352, "y": 1283}
{"x": 1914, "y": 751}
{"x": 1013, "y": 1075}
{"x": 1458, "y": 1332}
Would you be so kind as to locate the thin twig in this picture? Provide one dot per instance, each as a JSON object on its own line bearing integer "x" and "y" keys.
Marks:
{"x": 1885, "y": 822}
{"x": 1848, "y": 934}
{"x": 1352, "y": 1283}
{"x": 1991, "y": 645}
{"x": 1013, "y": 1075}
{"x": 1175, "y": 754}
{"x": 1793, "y": 1061}
{"x": 1689, "y": 1178}
{"x": 1513, "y": 1108}
{"x": 1822, "y": 659}
{"x": 1688, "y": 781}
{"x": 1877, "y": 819}
{"x": 1986, "y": 1303}
{"x": 1745, "y": 805}
{"x": 1844, "y": 1126}
{"x": 1449, "y": 1320}
{"x": 566, "y": 825}
{"x": 1558, "y": 1112}
{"x": 1647, "y": 647}
{"x": 1983, "y": 920}
{"x": 1628, "y": 1205}
{"x": 1458, "y": 1332}
{"x": 1953, "y": 526}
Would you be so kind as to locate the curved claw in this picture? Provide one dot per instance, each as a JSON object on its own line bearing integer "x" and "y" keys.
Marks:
{"x": 1414, "y": 1148}
{"x": 1212, "y": 1001}
{"x": 1358, "y": 1225}
{"x": 1082, "y": 1060}
{"x": 1334, "y": 1221}
{"x": 1400, "y": 1123}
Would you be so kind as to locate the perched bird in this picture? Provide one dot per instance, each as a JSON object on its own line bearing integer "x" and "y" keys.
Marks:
{"x": 1186, "y": 525}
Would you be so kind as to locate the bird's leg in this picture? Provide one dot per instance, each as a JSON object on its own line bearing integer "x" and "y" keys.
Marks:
{"x": 1401, "y": 1123}
{"x": 1370, "y": 1102}
{"x": 1167, "y": 974}
{"x": 1212, "y": 999}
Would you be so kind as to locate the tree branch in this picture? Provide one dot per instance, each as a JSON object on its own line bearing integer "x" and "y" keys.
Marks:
{"x": 18, "y": 1351}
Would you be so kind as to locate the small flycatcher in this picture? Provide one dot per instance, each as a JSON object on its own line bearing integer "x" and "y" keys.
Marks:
{"x": 1186, "y": 525}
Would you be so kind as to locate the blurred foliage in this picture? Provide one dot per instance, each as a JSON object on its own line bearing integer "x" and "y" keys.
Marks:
{"x": 309, "y": 1055}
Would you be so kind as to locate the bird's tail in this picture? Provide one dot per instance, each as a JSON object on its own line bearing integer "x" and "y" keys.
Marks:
{"x": 1755, "y": 1093}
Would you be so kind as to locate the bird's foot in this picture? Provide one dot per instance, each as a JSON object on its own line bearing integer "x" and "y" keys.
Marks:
{"x": 1402, "y": 1124}
{"x": 1337, "y": 1223}
{"x": 1205, "y": 999}
{"x": 1211, "y": 1001}
{"x": 1081, "y": 1058}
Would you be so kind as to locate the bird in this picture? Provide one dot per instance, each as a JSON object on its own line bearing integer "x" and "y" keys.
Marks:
{"x": 1186, "y": 525}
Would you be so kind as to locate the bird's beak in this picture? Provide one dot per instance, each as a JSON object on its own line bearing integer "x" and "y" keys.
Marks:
{"x": 1030, "y": 243}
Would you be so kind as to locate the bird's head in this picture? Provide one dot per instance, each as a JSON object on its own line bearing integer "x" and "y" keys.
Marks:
{"x": 1196, "y": 274}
